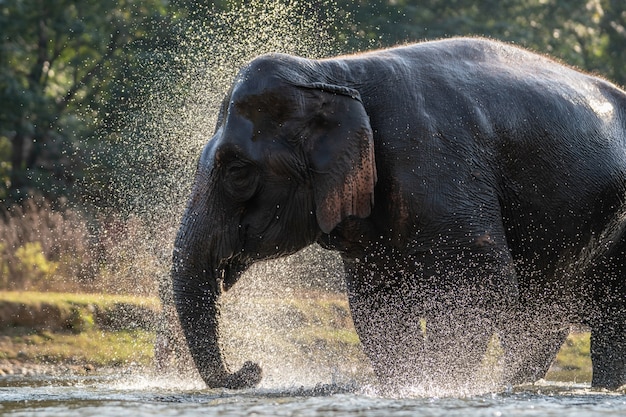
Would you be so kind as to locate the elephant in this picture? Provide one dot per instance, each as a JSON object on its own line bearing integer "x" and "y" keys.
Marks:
{"x": 472, "y": 188}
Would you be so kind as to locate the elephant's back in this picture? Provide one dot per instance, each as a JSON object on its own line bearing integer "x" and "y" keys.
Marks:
{"x": 552, "y": 138}
{"x": 535, "y": 116}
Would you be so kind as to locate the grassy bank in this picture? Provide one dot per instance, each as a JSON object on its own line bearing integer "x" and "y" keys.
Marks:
{"x": 93, "y": 331}
{"x": 573, "y": 362}
{"x": 91, "y": 348}
{"x": 76, "y": 312}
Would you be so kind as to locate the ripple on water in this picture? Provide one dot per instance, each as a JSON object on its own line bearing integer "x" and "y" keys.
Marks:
{"x": 135, "y": 396}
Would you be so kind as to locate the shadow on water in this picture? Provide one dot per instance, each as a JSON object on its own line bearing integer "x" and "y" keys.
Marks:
{"x": 143, "y": 395}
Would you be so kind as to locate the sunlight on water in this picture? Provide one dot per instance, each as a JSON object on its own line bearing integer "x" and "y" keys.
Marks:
{"x": 146, "y": 381}
{"x": 137, "y": 396}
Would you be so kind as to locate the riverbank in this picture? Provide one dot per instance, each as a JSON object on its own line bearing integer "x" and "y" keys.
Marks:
{"x": 76, "y": 312}
{"x": 62, "y": 333}
{"x": 82, "y": 334}
{"x": 19, "y": 368}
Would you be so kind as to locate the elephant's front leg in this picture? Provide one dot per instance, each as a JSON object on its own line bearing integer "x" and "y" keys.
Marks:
{"x": 455, "y": 345}
{"x": 462, "y": 297}
{"x": 391, "y": 334}
{"x": 443, "y": 352}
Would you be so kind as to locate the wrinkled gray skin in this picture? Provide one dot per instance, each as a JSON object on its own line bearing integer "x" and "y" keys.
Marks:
{"x": 467, "y": 182}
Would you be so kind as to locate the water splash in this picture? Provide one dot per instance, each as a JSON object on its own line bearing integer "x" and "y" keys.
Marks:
{"x": 164, "y": 134}
{"x": 176, "y": 112}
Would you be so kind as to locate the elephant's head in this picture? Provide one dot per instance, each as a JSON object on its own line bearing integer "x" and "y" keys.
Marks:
{"x": 292, "y": 156}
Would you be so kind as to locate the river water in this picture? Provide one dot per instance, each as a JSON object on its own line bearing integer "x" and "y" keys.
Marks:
{"x": 133, "y": 395}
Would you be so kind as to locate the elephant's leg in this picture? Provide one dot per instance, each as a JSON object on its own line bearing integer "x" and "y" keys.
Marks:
{"x": 391, "y": 336}
{"x": 455, "y": 344}
{"x": 608, "y": 327}
{"x": 470, "y": 294}
{"x": 530, "y": 346}
{"x": 608, "y": 350}
{"x": 455, "y": 347}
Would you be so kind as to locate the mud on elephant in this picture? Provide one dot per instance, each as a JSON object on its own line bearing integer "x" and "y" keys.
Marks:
{"x": 464, "y": 181}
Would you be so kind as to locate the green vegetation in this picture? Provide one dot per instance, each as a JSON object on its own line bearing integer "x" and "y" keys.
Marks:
{"x": 96, "y": 329}
{"x": 573, "y": 362}
{"x": 91, "y": 347}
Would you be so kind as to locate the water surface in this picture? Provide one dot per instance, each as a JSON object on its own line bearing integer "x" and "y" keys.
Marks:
{"x": 133, "y": 395}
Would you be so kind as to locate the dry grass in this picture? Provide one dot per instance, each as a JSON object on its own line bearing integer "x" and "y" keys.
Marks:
{"x": 57, "y": 248}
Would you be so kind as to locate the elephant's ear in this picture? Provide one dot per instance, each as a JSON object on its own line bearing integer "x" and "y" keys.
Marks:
{"x": 340, "y": 149}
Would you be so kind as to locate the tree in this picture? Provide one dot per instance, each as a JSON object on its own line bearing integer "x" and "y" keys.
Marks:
{"x": 58, "y": 69}
{"x": 612, "y": 28}
{"x": 589, "y": 34}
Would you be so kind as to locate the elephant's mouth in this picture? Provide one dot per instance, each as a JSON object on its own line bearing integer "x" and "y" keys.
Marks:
{"x": 231, "y": 270}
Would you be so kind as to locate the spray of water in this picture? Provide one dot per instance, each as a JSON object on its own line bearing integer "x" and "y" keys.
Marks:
{"x": 275, "y": 314}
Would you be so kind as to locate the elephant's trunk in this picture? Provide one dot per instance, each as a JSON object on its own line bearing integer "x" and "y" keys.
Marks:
{"x": 196, "y": 292}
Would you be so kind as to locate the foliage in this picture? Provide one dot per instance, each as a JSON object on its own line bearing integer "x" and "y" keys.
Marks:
{"x": 590, "y": 34}
{"x": 59, "y": 65}
{"x": 33, "y": 263}
{"x": 43, "y": 247}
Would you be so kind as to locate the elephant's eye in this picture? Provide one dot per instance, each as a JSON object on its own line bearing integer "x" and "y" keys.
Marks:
{"x": 241, "y": 180}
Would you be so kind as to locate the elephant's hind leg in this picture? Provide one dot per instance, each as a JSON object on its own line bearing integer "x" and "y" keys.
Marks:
{"x": 608, "y": 353}
{"x": 608, "y": 333}
{"x": 608, "y": 327}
